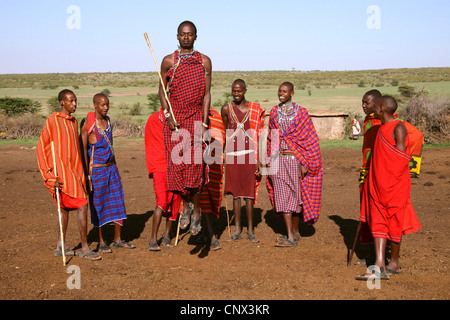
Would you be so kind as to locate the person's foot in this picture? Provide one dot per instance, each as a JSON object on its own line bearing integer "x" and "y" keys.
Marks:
{"x": 284, "y": 243}
{"x": 104, "y": 248}
{"x": 153, "y": 246}
{"x": 165, "y": 242}
{"x": 234, "y": 237}
{"x": 252, "y": 238}
{"x": 67, "y": 252}
{"x": 196, "y": 226}
{"x": 90, "y": 255}
{"x": 215, "y": 245}
{"x": 123, "y": 245}
{"x": 393, "y": 270}
{"x": 375, "y": 274}
{"x": 185, "y": 217}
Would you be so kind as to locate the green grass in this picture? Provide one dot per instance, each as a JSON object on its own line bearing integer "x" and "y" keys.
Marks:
{"x": 345, "y": 99}
{"x": 315, "y": 90}
{"x": 24, "y": 142}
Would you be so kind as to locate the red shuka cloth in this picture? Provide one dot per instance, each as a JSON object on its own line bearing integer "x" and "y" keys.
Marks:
{"x": 386, "y": 201}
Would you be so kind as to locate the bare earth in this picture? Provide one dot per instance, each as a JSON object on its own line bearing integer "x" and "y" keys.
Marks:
{"x": 314, "y": 270}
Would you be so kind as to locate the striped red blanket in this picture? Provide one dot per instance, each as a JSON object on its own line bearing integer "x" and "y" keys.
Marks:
{"x": 302, "y": 139}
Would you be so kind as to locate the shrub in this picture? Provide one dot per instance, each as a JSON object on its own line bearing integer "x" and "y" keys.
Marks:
{"x": 126, "y": 128}
{"x": 18, "y": 106}
{"x": 54, "y": 104}
{"x": 24, "y": 127}
{"x": 136, "y": 109}
{"x": 153, "y": 101}
{"x": 106, "y": 92}
{"x": 429, "y": 115}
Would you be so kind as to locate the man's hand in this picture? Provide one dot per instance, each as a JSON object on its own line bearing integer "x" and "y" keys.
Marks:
{"x": 171, "y": 123}
{"x": 303, "y": 171}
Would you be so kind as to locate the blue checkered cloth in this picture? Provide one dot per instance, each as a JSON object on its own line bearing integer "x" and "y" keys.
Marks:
{"x": 107, "y": 199}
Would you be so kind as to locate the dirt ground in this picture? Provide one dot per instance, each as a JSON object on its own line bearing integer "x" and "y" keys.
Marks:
{"x": 314, "y": 270}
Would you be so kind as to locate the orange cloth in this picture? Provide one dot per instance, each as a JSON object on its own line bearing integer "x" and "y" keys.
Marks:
{"x": 63, "y": 131}
{"x": 386, "y": 203}
{"x": 211, "y": 197}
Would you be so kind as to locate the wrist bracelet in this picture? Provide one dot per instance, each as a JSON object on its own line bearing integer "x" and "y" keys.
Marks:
{"x": 205, "y": 125}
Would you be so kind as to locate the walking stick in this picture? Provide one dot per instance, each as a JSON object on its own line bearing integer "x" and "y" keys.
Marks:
{"x": 228, "y": 217}
{"x": 178, "y": 228}
{"x": 354, "y": 244}
{"x": 161, "y": 80}
{"x": 63, "y": 248}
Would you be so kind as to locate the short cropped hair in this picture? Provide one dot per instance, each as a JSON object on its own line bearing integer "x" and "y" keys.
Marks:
{"x": 98, "y": 95}
{"x": 187, "y": 22}
{"x": 63, "y": 93}
{"x": 287, "y": 83}
{"x": 374, "y": 93}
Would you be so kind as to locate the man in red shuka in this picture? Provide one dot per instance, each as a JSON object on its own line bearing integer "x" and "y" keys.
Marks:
{"x": 387, "y": 207}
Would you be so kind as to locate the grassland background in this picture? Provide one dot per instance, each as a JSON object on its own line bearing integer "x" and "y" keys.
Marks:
{"x": 315, "y": 90}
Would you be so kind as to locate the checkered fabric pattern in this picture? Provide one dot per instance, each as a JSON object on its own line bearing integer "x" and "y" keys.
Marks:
{"x": 107, "y": 199}
{"x": 302, "y": 139}
{"x": 186, "y": 94}
{"x": 256, "y": 119}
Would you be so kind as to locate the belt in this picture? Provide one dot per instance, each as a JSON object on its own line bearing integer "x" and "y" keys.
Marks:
{"x": 99, "y": 165}
{"x": 286, "y": 153}
{"x": 239, "y": 153}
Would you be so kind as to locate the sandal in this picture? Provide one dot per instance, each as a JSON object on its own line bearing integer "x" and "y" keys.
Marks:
{"x": 282, "y": 238}
{"x": 165, "y": 242}
{"x": 196, "y": 226}
{"x": 123, "y": 244}
{"x": 185, "y": 217}
{"x": 374, "y": 275}
{"x": 104, "y": 249}
{"x": 392, "y": 271}
{"x": 252, "y": 238}
{"x": 67, "y": 252}
{"x": 90, "y": 255}
{"x": 286, "y": 243}
{"x": 153, "y": 246}
{"x": 215, "y": 245}
{"x": 234, "y": 237}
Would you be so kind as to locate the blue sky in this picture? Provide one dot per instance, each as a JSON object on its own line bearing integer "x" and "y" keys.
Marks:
{"x": 35, "y": 36}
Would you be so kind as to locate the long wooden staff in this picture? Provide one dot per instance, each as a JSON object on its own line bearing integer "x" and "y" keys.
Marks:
{"x": 161, "y": 80}
{"x": 63, "y": 248}
{"x": 354, "y": 244}
{"x": 228, "y": 217}
{"x": 179, "y": 218}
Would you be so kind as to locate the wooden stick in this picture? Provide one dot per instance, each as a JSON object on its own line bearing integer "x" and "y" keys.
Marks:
{"x": 228, "y": 217}
{"x": 161, "y": 80}
{"x": 63, "y": 248}
{"x": 178, "y": 228}
{"x": 354, "y": 244}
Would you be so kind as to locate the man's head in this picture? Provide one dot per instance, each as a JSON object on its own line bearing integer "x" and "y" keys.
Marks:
{"x": 368, "y": 100}
{"x": 68, "y": 101}
{"x": 238, "y": 90}
{"x": 101, "y": 104}
{"x": 385, "y": 108}
{"x": 187, "y": 34}
{"x": 285, "y": 92}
